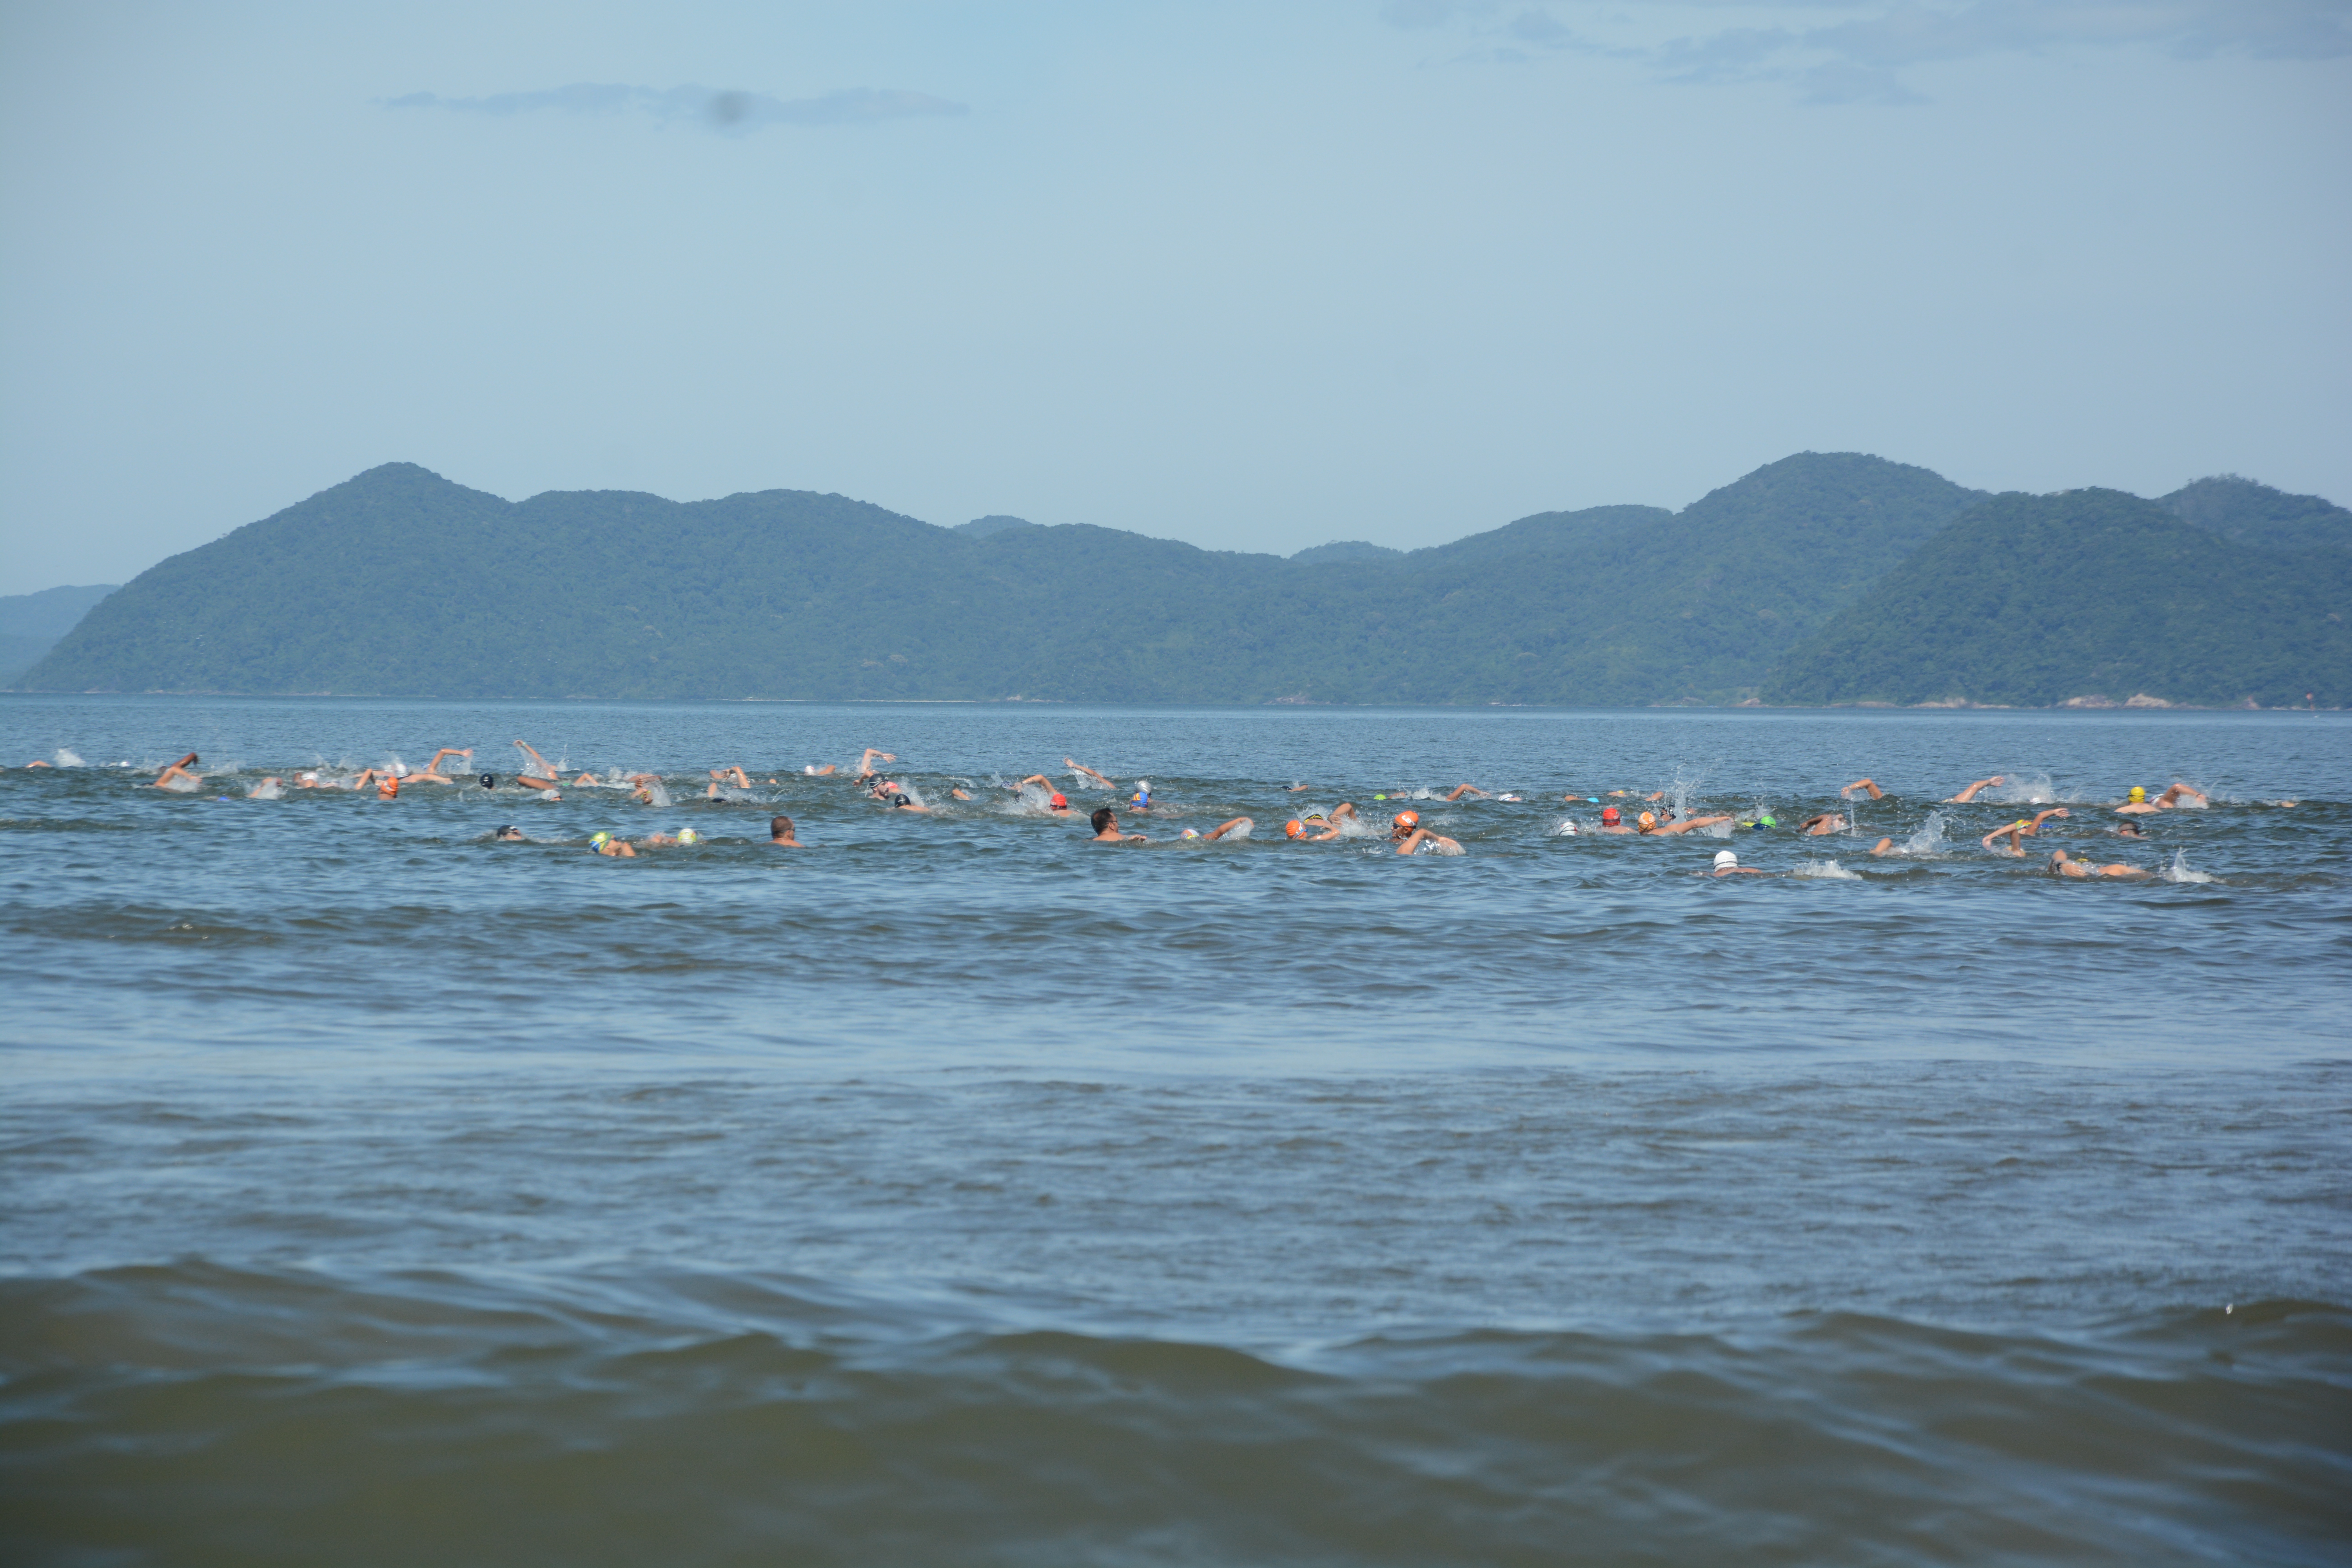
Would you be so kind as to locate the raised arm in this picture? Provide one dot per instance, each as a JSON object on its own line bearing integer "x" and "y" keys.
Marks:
{"x": 1223, "y": 828}
{"x": 1869, "y": 785}
{"x": 434, "y": 765}
{"x": 2042, "y": 817}
{"x": 2015, "y": 833}
{"x": 1079, "y": 767}
{"x": 1690, "y": 822}
{"x": 1038, "y": 779}
{"x": 546, "y": 768}
{"x": 2172, "y": 796}
{"x": 865, "y": 763}
{"x": 1461, "y": 790}
{"x": 1969, "y": 793}
{"x": 177, "y": 770}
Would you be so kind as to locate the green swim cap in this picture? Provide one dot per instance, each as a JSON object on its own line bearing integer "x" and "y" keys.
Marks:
{"x": 689, "y": 835}
{"x": 600, "y": 838}
{"x": 1380, "y": 797}
{"x": 1767, "y": 822}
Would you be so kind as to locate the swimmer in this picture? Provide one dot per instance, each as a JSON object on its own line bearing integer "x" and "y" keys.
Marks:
{"x": 544, "y": 775}
{"x": 865, "y": 764}
{"x": 1654, "y": 828}
{"x": 1105, "y": 826}
{"x": 1057, "y": 803}
{"x": 1079, "y": 767}
{"x": 37, "y": 762}
{"x": 649, "y": 790}
{"x": 1870, "y": 784}
{"x": 1409, "y": 835}
{"x": 2064, "y": 865}
{"x": 960, "y": 792}
{"x": 1294, "y": 789}
{"x": 431, "y": 773}
{"x": 1726, "y": 864}
{"x": 895, "y": 798}
{"x": 2127, "y": 829}
{"x": 176, "y": 777}
{"x": 2140, "y": 805}
{"x": 1142, "y": 801}
{"x": 1612, "y": 821}
{"x": 509, "y": 833}
{"x": 1461, "y": 790}
{"x": 779, "y": 833}
{"x": 2015, "y": 833}
{"x": 1969, "y": 793}
{"x": 719, "y": 775}
{"x": 605, "y": 844}
{"x": 1827, "y": 821}
{"x": 1243, "y": 823}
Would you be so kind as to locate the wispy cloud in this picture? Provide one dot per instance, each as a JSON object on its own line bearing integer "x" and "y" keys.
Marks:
{"x": 1847, "y": 51}
{"x": 722, "y": 110}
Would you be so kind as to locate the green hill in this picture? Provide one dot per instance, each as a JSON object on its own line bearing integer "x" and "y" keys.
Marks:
{"x": 31, "y": 624}
{"x": 2037, "y": 600}
{"x": 2248, "y": 513}
{"x": 400, "y": 583}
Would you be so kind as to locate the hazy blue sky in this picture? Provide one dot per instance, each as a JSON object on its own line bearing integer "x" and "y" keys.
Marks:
{"x": 1253, "y": 276}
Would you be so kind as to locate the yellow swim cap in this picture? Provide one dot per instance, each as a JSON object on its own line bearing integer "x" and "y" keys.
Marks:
{"x": 2138, "y": 793}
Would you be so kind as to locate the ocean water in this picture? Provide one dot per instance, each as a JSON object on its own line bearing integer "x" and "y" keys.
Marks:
{"x": 956, "y": 1191}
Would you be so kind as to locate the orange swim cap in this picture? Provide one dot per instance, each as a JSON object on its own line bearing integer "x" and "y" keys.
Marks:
{"x": 1408, "y": 819}
{"x": 388, "y": 787}
{"x": 1648, "y": 820}
{"x": 1293, "y": 829}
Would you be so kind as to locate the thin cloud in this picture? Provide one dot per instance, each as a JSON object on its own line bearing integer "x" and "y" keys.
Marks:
{"x": 722, "y": 110}
{"x": 1851, "y": 51}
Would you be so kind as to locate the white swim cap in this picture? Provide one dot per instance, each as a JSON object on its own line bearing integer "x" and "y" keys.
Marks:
{"x": 1725, "y": 858}
{"x": 689, "y": 835}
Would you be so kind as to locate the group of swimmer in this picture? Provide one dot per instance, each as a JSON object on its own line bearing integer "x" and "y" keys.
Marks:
{"x": 1404, "y": 832}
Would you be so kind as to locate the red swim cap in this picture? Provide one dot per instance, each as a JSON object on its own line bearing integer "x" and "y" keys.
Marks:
{"x": 1608, "y": 814}
{"x": 1059, "y": 803}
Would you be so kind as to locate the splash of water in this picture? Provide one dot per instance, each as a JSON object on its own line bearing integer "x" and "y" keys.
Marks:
{"x": 2181, "y": 871}
{"x": 656, "y": 795}
{"x": 268, "y": 789}
{"x": 66, "y": 757}
{"x": 1928, "y": 840}
{"x": 1824, "y": 870}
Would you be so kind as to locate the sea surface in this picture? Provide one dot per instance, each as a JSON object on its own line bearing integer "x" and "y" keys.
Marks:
{"x": 954, "y": 1190}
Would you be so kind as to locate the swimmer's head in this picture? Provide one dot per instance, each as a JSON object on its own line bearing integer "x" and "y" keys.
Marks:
{"x": 1191, "y": 833}
{"x": 689, "y": 835}
{"x": 1649, "y": 820}
{"x": 779, "y": 827}
{"x": 1408, "y": 820}
{"x": 1059, "y": 802}
{"x": 2019, "y": 822}
{"x": 2140, "y": 794}
{"x": 508, "y": 831}
{"x": 1293, "y": 829}
{"x": 598, "y": 841}
{"x": 1609, "y": 814}
{"x": 1380, "y": 797}
{"x": 1725, "y": 858}
{"x": 1103, "y": 818}
{"x": 1767, "y": 822}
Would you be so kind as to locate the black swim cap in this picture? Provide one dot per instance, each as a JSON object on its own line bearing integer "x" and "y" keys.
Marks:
{"x": 489, "y": 781}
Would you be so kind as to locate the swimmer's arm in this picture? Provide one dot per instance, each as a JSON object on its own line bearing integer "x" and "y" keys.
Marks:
{"x": 959, "y": 794}
{"x": 827, "y": 771}
{"x": 1688, "y": 823}
{"x": 1038, "y": 779}
{"x": 1223, "y": 828}
{"x": 1870, "y": 784}
{"x": 1461, "y": 790}
{"x": 2042, "y": 817}
{"x": 434, "y": 765}
{"x": 1969, "y": 793}
{"x": 1075, "y": 766}
{"x": 1413, "y": 841}
{"x": 545, "y": 767}
{"x": 1882, "y": 847}
{"x": 1341, "y": 810}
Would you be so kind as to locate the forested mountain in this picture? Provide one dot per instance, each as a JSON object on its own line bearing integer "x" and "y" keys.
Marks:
{"x": 401, "y": 583}
{"x": 31, "y": 624}
{"x": 2249, "y": 514}
{"x": 2037, "y": 600}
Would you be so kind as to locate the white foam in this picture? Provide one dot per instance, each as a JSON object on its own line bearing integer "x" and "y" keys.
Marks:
{"x": 66, "y": 757}
{"x": 2180, "y": 871}
{"x": 1824, "y": 870}
{"x": 1929, "y": 841}
{"x": 1241, "y": 832}
{"x": 1715, "y": 830}
{"x": 268, "y": 789}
